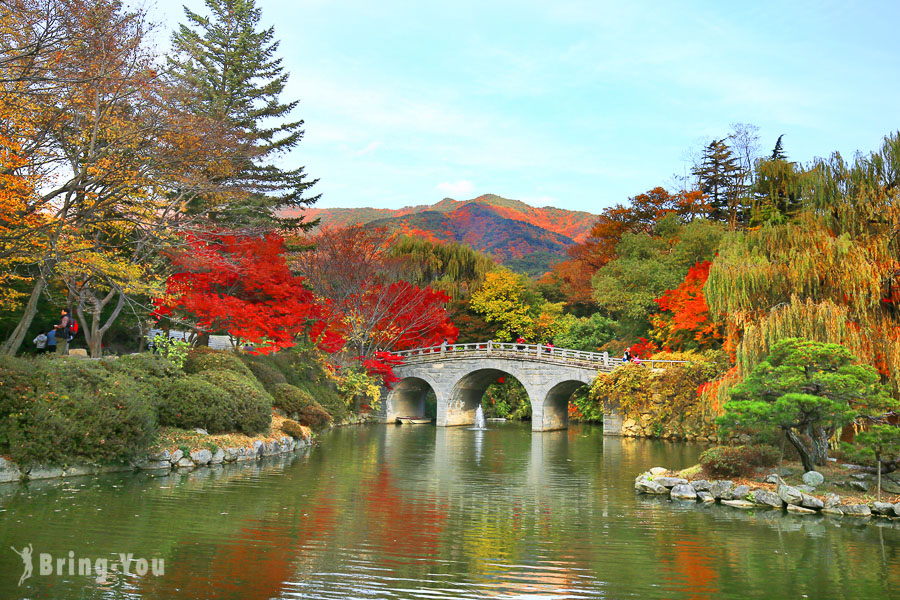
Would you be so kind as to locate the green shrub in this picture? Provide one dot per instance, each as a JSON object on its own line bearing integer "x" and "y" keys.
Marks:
{"x": 172, "y": 349}
{"x": 313, "y": 416}
{"x": 268, "y": 376}
{"x": 198, "y": 350}
{"x": 198, "y": 362}
{"x": 17, "y": 380}
{"x": 251, "y": 406}
{"x": 303, "y": 372}
{"x": 293, "y": 429}
{"x": 298, "y": 369}
{"x": 192, "y": 401}
{"x": 329, "y": 399}
{"x": 290, "y": 398}
{"x": 75, "y": 410}
{"x": 732, "y": 461}
{"x": 144, "y": 366}
{"x": 299, "y": 404}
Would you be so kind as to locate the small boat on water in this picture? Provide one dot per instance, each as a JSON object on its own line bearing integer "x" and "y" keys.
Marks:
{"x": 495, "y": 420}
{"x": 413, "y": 420}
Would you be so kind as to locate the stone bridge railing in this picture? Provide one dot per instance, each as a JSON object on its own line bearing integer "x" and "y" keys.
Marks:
{"x": 551, "y": 354}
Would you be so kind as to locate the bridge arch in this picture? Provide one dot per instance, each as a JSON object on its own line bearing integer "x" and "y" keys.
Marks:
{"x": 407, "y": 398}
{"x": 467, "y": 392}
{"x": 555, "y": 404}
{"x": 459, "y": 385}
{"x": 459, "y": 374}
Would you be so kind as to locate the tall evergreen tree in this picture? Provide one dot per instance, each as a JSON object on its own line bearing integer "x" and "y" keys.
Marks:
{"x": 777, "y": 189}
{"x": 718, "y": 176}
{"x": 778, "y": 151}
{"x": 229, "y": 68}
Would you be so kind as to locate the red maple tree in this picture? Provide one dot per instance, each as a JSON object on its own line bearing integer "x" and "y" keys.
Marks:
{"x": 242, "y": 286}
{"x": 644, "y": 348}
{"x": 368, "y": 300}
{"x": 685, "y": 323}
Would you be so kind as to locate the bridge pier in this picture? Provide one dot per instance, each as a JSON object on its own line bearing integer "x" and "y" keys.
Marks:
{"x": 612, "y": 419}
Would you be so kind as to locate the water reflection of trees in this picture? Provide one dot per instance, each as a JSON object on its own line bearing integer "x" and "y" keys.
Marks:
{"x": 412, "y": 508}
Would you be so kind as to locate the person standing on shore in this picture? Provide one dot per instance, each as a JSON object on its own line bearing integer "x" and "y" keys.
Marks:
{"x": 51, "y": 340}
{"x": 63, "y": 332}
{"x": 40, "y": 342}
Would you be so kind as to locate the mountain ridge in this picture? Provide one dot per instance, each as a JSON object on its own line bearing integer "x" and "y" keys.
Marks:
{"x": 526, "y": 238}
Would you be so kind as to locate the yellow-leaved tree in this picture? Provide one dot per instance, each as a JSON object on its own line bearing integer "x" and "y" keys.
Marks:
{"x": 504, "y": 299}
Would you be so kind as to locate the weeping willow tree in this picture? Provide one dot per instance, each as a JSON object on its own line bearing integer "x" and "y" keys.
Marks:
{"x": 455, "y": 269}
{"x": 829, "y": 274}
{"x": 777, "y": 190}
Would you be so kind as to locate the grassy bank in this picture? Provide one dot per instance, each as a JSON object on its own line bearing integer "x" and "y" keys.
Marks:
{"x": 67, "y": 410}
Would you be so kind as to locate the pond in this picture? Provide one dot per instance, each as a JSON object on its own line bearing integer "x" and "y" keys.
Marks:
{"x": 424, "y": 512}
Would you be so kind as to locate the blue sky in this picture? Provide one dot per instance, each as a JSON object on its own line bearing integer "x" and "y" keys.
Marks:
{"x": 567, "y": 103}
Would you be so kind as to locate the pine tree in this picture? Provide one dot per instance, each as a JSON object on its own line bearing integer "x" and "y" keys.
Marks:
{"x": 718, "y": 176}
{"x": 777, "y": 189}
{"x": 778, "y": 152}
{"x": 232, "y": 75}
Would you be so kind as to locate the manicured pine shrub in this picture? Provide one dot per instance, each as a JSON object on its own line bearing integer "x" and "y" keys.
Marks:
{"x": 314, "y": 416}
{"x": 251, "y": 406}
{"x": 290, "y": 398}
{"x": 193, "y": 401}
{"x": 268, "y": 376}
{"x": 198, "y": 362}
{"x": 329, "y": 399}
{"x": 734, "y": 461}
{"x": 144, "y": 366}
{"x": 299, "y": 404}
{"x": 17, "y": 380}
{"x": 78, "y": 410}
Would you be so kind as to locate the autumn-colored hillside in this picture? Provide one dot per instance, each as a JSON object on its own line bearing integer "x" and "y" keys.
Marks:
{"x": 526, "y": 238}
{"x": 569, "y": 223}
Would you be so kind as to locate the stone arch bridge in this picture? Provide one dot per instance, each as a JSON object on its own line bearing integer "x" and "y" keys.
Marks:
{"x": 460, "y": 373}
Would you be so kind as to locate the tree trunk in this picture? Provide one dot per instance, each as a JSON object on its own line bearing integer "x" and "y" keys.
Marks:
{"x": 780, "y": 454}
{"x": 14, "y": 342}
{"x": 806, "y": 456}
{"x": 820, "y": 445}
{"x": 95, "y": 340}
{"x": 97, "y": 349}
{"x": 878, "y": 466}
{"x": 94, "y": 333}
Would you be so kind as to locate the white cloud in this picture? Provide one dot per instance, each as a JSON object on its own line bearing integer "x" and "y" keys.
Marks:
{"x": 460, "y": 188}
{"x": 369, "y": 148}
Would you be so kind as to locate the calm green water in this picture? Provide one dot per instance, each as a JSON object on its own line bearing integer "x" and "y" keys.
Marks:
{"x": 421, "y": 512}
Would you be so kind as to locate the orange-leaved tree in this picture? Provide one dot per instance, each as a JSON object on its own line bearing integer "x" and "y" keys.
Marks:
{"x": 573, "y": 276}
{"x": 684, "y": 322}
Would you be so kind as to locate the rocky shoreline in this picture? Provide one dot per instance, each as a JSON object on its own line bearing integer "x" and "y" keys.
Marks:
{"x": 799, "y": 499}
{"x": 162, "y": 461}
